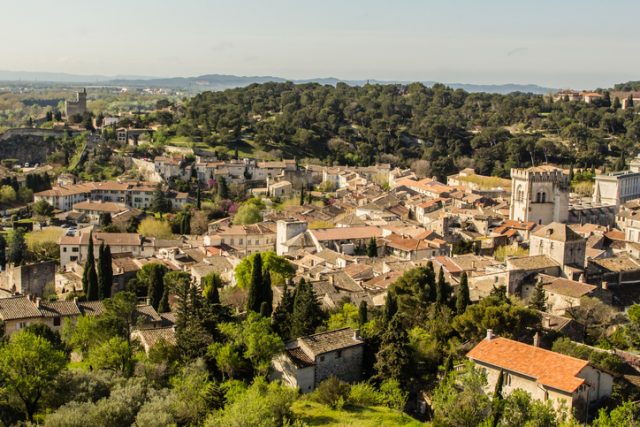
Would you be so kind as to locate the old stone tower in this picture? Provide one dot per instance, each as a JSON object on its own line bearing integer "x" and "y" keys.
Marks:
{"x": 539, "y": 194}
{"x": 79, "y": 106}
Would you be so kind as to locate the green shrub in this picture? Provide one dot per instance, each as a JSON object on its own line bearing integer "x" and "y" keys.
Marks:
{"x": 364, "y": 394}
{"x": 332, "y": 392}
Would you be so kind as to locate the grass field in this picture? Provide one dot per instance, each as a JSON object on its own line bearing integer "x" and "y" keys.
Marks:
{"x": 49, "y": 234}
{"x": 316, "y": 414}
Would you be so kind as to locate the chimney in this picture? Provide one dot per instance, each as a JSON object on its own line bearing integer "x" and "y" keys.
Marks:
{"x": 489, "y": 334}
{"x": 546, "y": 321}
{"x": 356, "y": 334}
{"x": 605, "y": 286}
{"x": 37, "y": 302}
{"x": 536, "y": 339}
{"x": 148, "y": 301}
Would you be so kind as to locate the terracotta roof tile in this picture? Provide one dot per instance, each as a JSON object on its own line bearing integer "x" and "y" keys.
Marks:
{"x": 550, "y": 369}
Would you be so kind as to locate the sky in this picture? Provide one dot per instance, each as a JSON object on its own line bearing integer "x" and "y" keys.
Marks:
{"x": 562, "y": 43}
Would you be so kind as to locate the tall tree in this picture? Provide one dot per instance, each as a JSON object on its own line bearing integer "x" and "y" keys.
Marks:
{"x": 538, "y": 299}
{"x": 105, "y": 271}
{"x": 254, "y": 298}
{"x": 159, "y": 202}
{"x": 89, "y": 275}
{"x": 462, "y": 296}
{"x": 393, "y": 358}
{"x": 362, "y": 313}
{"x": 29, "y": 364}
{"x": 442, "y": 289}
{"x": 223, "y": 188}
{"x": 198, "y": 197}
{"x": 372, "y": 248}
{"x": 497, "y": 404}
{"x": 16, "y": 246}
{"x": 390, "y": 307}
{"x": 105, "y": 219}
{"x": 301, "y": 194}
{"x": 307, "y": 314}
{"x": 151, "y": 276}
{"x": 266, "y": 305}
{"x": 210, "y": 285}
{"x": 281, "y": 319}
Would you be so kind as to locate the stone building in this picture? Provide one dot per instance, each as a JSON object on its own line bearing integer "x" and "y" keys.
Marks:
{"x": 29, "y": 279}
{"x": 77, "y": 107}
{"x": 616, "y": 188}
{"x": 307, "y": 361}
{"x": 560, "y": 243}
{"x": 570, "y": 384}
{"x": 539, "y": 194}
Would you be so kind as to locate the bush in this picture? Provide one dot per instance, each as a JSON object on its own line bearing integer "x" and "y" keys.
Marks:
{"x": 332, "y": 392}
{"x": 392, "y": 395}
{"x": 364, "y": 394}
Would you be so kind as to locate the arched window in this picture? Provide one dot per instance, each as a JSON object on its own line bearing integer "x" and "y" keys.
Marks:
{"x": 519, "y": 194}
{"x": 543, "y": 197}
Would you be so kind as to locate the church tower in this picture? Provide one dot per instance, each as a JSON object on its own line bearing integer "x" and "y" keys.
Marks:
{"x": 539, "y": 194}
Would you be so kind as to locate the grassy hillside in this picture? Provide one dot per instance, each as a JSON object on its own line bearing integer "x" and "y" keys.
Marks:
{"x": 316, "y": 414}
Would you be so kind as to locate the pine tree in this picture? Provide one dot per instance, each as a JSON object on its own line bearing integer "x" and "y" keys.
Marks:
{"x": 393, "y": 358}
{"x": 362, "y": 313}
{"x": 105, "y": 271}
{"x": 254, "y": 298}
{"x": 372, "y": 248}
{"x": 307, "y": 314}
{"x": 538, "y": 298}
{"x": 390, "y": 307}
{"x": 462, "y": 297}
{"x": 159, "y": 202}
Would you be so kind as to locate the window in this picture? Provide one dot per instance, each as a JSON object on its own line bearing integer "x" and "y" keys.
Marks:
{"x": 507, "y": 379}
{"x": 75, "y": 249}
{"x": 322, "y": 358}
{"x": 21, "y": 325}
{"x": 73, "y": 258}
{"x": 64, "y": 249}
{"x": 338, "y": 354}
{"x": 240, "y": 242}
{"x": 56, "y": 321}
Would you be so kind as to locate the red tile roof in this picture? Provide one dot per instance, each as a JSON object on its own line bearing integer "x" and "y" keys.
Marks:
{"x": 548, "y": 368}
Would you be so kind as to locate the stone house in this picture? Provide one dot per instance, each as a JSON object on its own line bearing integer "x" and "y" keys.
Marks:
{"x": 29, "y": 279}
{"x": 309, "y": 360}
{"x": 75, "y": 248}
{"x": 570, "y": 384}
{"x": 560, "y": 243}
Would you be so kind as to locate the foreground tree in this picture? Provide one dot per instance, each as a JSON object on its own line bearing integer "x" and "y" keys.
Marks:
{"x": 393, "y": 358}
{"x": 538, "y": 298}
{"x": 29, "y": 364}
{"x": 89, "y": 275}
{"x": 307, "y": 314}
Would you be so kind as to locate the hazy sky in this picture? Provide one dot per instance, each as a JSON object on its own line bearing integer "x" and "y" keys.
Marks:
{"x": 560, "y": 43}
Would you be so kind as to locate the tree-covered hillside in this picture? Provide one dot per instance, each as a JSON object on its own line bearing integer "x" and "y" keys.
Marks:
{"x": 398, "y": 124}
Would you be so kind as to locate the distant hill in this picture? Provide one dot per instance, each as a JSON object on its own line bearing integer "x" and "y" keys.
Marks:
{"x": 226, "y": 81}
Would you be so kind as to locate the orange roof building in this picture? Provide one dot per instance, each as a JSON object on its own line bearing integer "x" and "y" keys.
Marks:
{"x": 546, "y": 375}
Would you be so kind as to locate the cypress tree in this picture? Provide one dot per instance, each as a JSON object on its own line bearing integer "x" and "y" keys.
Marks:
{"x": 441, "y": 288}
{"x": 223, "y": 189}
{"x": 497, "y": 403}
{"x": 210, "y": 284}
{"x": 362, "y": 313}
{"x": 104, "y": 271}
{"x": 198, "y": 198}
{"x": 372, "y": 248}
{"x": 462, "y": 298}
{"x": 163, "y": 305}
{"x": 254, "y": 299}
{"x": 185, "y": 223}
{"x": 390, "y": 307}
{"x": 307, "y": 314}
{"x": 630, "y": 101}
{"x": 89, "y": 276}
{"x": 301, "y": 194}
{"x": 264, "y": 309}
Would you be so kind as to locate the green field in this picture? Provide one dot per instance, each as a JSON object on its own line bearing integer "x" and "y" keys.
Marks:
{"x": 316, "y": 414}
